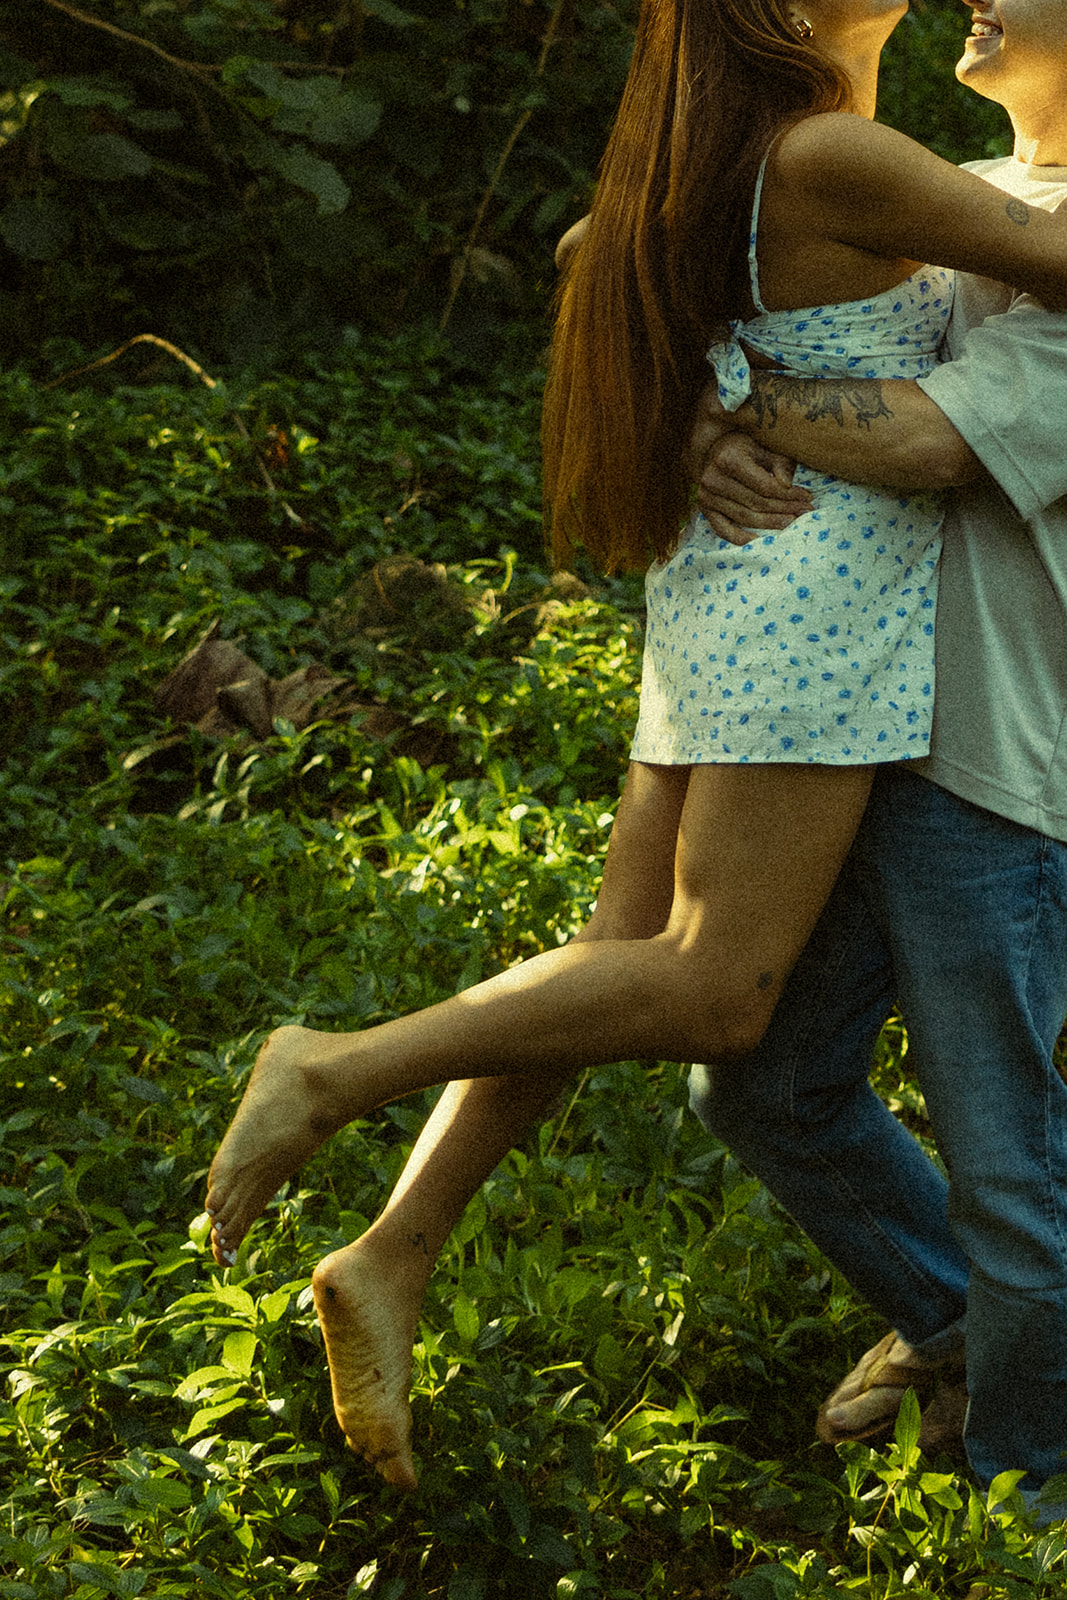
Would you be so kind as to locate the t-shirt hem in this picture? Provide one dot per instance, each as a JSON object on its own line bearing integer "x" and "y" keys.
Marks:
{"x": 984, "y": 791}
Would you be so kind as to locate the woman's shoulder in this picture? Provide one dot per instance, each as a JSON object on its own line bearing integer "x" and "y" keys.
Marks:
{"x": 834, "y": 144}
{"x": 839, "y": 158}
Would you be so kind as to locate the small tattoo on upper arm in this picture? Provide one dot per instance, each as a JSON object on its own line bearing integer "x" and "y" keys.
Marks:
{"x": 418, "y": 1240}
{"x": 764, "y": 980}
{"x": 1018, "y": 212}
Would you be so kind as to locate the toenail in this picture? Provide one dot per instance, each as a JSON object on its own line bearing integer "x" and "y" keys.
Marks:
{"x": 231, "y": 1257}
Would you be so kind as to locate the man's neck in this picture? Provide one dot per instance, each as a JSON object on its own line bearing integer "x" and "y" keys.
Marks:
{"x": 1041, "y": 134}
{"x": 1041, "y": 152}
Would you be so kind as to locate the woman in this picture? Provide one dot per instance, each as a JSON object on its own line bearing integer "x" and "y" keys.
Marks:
{"x": 720, "y": 858}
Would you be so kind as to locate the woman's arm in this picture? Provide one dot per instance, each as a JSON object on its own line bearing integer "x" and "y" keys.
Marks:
{"x": 855, "y": 183}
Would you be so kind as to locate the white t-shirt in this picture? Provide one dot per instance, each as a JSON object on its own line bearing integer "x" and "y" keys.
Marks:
{"x": 1000, "y": 714}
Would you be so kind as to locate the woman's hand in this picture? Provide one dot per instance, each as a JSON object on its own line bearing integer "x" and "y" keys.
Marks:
{"x": 571, "y": 240}
{"x": 745, "y": 490}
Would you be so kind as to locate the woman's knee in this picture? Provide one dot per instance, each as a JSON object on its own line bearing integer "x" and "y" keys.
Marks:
{"x": 728, "y": 1020}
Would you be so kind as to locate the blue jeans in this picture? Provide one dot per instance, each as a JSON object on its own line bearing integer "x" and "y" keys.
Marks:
{"x": 961, "y": 917}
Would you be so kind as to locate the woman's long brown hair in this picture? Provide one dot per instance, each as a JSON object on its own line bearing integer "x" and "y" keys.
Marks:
{"x": 663, "y": 265}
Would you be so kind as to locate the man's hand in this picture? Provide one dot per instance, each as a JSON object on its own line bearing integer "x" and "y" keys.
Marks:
{"x": 745, "y": 490}
{"x": 710, "y": 422}
{"x": 741, "y": 486}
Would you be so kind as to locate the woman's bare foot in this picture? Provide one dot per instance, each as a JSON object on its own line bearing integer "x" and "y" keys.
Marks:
{"x": 286, "y": 1112}
{"x": 369, "y": 1330}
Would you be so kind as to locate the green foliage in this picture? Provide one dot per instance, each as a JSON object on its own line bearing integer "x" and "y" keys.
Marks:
{"x": 625, "y": 1340}
{"x": 248, "y": 177}
{"x": 919, "y": 95}
{"x": 130, "y": 522}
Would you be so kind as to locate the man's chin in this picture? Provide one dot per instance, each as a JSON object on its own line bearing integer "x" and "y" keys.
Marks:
{"x": 969, "y": 72}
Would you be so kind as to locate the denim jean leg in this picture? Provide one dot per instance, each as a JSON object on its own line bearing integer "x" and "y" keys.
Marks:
{"x": 975, "y": 910}
{"x": 800, "y": 1113}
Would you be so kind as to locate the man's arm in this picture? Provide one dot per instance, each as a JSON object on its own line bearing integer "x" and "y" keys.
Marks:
{"x": 866, "y": 430}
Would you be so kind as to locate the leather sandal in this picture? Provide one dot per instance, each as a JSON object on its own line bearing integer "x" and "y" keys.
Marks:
{"x": 876, "y": 1370}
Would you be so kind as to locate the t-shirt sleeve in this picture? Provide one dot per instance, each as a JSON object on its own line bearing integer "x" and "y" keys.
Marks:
{"x": 1006, "y": 393}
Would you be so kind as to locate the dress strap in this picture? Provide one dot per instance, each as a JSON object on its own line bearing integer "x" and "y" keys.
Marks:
{"x": 753, "y": 270}
{"x": 727, "y": 357}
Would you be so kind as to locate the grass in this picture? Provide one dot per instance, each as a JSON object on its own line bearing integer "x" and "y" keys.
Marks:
{"x": 626, "y": 1340}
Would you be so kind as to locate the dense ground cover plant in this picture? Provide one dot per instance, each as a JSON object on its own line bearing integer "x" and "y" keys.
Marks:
{"x": 626, "y": 1341}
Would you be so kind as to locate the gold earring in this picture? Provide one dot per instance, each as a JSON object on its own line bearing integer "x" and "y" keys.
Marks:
{"x": 803, "y": 28}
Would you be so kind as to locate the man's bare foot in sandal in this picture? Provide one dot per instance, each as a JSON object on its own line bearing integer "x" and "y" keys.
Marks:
{"x": 865, "y": 1405}
{"x": 369, "y": 1324}
{"x": 297, "y": 1096}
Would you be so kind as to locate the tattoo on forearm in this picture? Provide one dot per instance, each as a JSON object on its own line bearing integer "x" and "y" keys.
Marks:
{"x": 860, "y": 401}
{"x": 418, "y": 1241}
{"x": 1018, "y": 212}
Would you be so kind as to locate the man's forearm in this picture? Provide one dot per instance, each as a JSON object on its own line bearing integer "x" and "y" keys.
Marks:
{"x": 863, "y": 430}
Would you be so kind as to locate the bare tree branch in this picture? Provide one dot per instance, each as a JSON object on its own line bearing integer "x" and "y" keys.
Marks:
{"x": 472, "y": 238}
{"x": 205, "y": 378}
{"x": 201, "y": 68}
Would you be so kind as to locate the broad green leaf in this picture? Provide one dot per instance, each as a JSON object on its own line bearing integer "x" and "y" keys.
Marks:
{"x": 388, "y": 12}
{"x": 908, "y": 1426}
{"x": 466, "y": 1318}
{"x": 88, "y": 92}
{"x": 238, "y": 1351}
{"x": 608, "y": 1357}
{"x": 331, "y": 1490}
{"x": 107, "y": 157}
{"x": 206, "y": 1418}
{"x": 162, "y": 1493}
{"x": 319, "y": 109}
{"x": 467, "y": 1584}
{"x": 1003, "y": 1487}
{"x": 765, "y": 1583}
{"x": 270, "y": 1307}
{"x": 206, "y": 1380}
{"x": 548, "y": 1544}
{"x": 228, "y": 1294}
{"x": 304, "y": 170}
{"x": 518, "y": 1507}
{"x": 98, "y": 1575}
{"x": 39, "y": 229}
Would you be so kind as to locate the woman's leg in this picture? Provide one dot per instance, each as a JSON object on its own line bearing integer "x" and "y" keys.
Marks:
{"x": 370, "y": 1293}
{"x": 758, "y": 850}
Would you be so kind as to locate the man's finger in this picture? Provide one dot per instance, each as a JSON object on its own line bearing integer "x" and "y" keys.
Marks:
{"x": 739, "y": 460}
{"x": 730, "y": 495}
{"x": 738, "y": 516}
{"x": 725, "y": 529}
{"x": 755, "y": 486}
{"x": 782, "y": 468}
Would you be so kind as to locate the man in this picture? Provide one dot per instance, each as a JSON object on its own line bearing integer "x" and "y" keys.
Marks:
{"x": 954, "y": 900}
